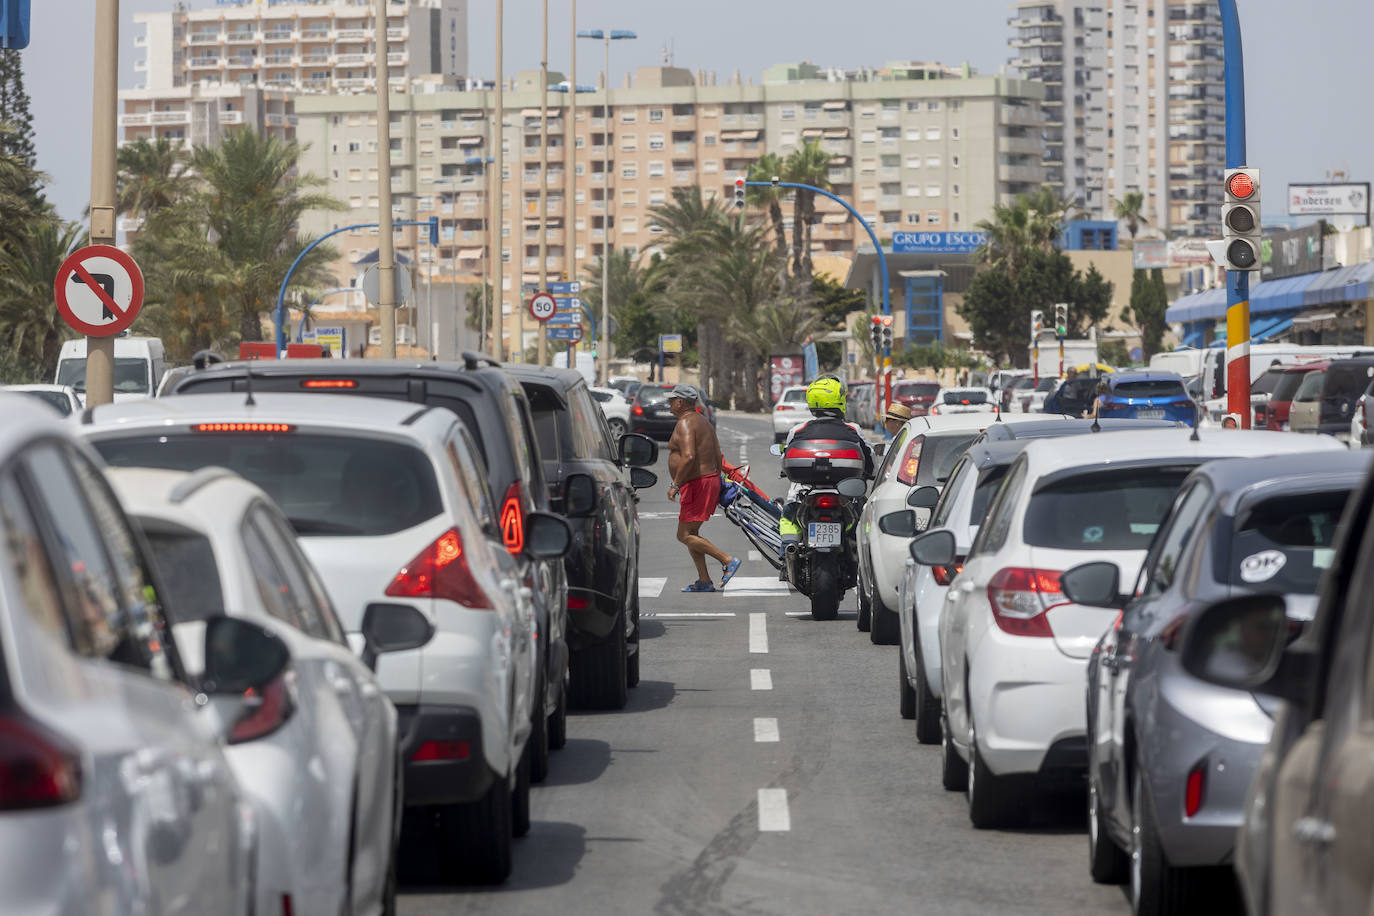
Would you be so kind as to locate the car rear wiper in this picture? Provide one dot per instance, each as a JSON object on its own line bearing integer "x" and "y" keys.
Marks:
{"x": 320, "y": 526}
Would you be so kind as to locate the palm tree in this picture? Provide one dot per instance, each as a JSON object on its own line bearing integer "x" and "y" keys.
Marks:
{"x": 151, "y": 176}
{"x": 22, "y": 205}
{"x": 1130, "y": 209}
{"x": 766, "y": 168}
{"x": 1031, "y": 222}
{"x": 808, "y": 164}
{"x": 32, "y": 330}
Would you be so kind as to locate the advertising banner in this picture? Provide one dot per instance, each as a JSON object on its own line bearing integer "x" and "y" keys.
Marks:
{"x": 1290, "y": 252}
{"x": 937, "y": 242}
{"x": 1148, "y": 254}
{"x": 1350, "y": 199}
{"x": 784, "y": 372}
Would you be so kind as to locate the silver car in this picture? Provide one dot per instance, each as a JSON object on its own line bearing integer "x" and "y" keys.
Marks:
{"x": 115, "y": 797}
{"x": 1170, "y": 757}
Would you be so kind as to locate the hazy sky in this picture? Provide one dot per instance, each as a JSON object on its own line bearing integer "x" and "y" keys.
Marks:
{"x": 1308, "y": 64}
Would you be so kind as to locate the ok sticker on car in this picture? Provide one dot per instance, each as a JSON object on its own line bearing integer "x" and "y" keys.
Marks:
{"x": 1262, "y": 566}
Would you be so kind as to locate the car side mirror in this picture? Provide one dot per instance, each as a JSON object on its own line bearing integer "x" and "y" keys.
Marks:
{"x": 637, "y": 450}
{"x": 1240, "y": 643}
{"x": 547, "y": 537}
{"x": 1094, "y": 585}
{"x": 775, "y": 450}
{"x": 393, "y": 628}
{"x": 923, "y": 498}
{"x": 240, "y": 656}
{"x": 642, "y": 478}
{"x": 935, "y": 548}
{"x": 901, "y": 524}
{"x": 579, "y": 495}
{"x": 852, "y": 487}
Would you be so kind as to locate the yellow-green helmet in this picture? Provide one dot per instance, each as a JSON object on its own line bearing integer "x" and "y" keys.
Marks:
{"x": 825, "y": 393}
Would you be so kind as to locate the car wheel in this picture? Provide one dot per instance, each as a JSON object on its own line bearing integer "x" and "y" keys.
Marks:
{"x": 539, "y": 737}
{"x": 928, "y": 705}
{"x": 863, "y": 619}
{"x": 953, "y": 770}
{"x": 991, "y": 798}
{"x": 617, "y": 426}
{"x": 520, "y": 795}
{"x": 478, "y": 835}
{"x": 1107, "y": 862}
{"x": 883, "y": 626}
{"x": 632, "y": 660}
{"x": 906, "y": 697}
{"x": 558, "y": 720}
{"x": 600, "y": 673}
{"x": 1157, "y": 888}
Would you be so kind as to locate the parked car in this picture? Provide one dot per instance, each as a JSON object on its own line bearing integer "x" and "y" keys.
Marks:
{"x": 1033, "y": 400}
{"x": 917, "y": 394}
{"x": 496, "y": 415}
{"x": 1013, "y": 651}
{"x": 1039, "y": 426}
{"x": 1261, "y": 391}
{"x": 1147, "y": 396}
{"x": 1009, "y": 394}
{"x": 389, "y": 503}
{"x": 789, "y": 411}
{"x": 592, "y": 480}
{"x": 139, "y": 363}
{"x": 1345, "y": 381}
{"x": 60, "y": 398}
{"x": 1304, "y": 416}
{"x": 116, "y": 792}
{"x": 327, "y": 832}
{"x": 923, "y": 452}
{"x": 650, "y": 416}
{"x": 962, "y": 400}
{"x": 615, "y": 407}
{"x": 1360, "y": 420}
{"x": 1169, "y": 757}
{"x": 1072, "y": 397}
{"x": 627, "y": 385}
{"x": 1278, "y": 410}
{"x": 1303, "y": 843}
{"x": 862, "y": 404}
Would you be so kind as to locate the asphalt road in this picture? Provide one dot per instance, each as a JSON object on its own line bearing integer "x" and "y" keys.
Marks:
{"x": 761, "y": 767}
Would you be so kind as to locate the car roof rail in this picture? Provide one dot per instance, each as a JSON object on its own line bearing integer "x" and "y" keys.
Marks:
{"x": 195, "y": 481}
{"x": 473, "y": 360}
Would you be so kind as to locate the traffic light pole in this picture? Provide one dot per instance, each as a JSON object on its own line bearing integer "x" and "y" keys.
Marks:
{"x": 1237, "y": 281}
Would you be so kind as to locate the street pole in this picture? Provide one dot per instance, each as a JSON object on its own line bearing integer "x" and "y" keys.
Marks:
{"x": 104, "y": 119}
{"x": 1237, "y": 281}
{"x": 498, "y": 318}
{"x": 541, "y": 331}
{"x": 605, "y": 368}
{"x": 570, "y": 184}
{"x": 386, "y": 257}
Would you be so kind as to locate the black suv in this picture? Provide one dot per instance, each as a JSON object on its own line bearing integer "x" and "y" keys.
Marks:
{"x": 592, "y": 480}
{"x": 495, "y": 411}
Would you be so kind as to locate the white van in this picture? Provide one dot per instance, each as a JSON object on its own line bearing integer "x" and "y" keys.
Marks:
{"x": 1210, "y": 365}
{"x": 139, "y": 366}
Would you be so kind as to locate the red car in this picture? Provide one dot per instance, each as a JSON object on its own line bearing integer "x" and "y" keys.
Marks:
{"x": 919, "y": 396}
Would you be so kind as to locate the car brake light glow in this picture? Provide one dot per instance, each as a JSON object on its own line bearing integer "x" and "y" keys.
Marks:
{"x": 243, "y": 427}
{"x": 784, "y": 407}
{"x": 578, "y": 603}
{"x": 826, "y": 501}
{"x": 1193, "y": 790}
{"x": 265, "y": 710}
{"x": 911, "y": 461}
{"x": 441, "y": 750}
{"x": 440, "y": 571}
{"x": 944, "y": 575}
{"x": 513, "y": 520}
{"x": 329, "y": 383}
{"x": 1020, "y": 596}
{"x": 639, "y": 410}
{"x": 38, "y": 769}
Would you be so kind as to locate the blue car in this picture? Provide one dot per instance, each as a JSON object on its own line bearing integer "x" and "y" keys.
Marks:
{"x": 1148, "y": 396}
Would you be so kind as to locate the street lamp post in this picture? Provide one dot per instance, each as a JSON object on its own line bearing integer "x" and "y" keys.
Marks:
{"x": 498, "y": 199}
{"x": 542, "y": 341}
{"x": 1237, "y": 281}
{"x": 606, "y": 36}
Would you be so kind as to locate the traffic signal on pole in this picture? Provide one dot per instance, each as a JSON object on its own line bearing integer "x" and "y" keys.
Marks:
{"x": 875, "y": 330}
{"x": 1037, "y": 323}
{"x": 887, "y": 333}
{"x": 1061, "y": 319}
{"x": 739, "y": 192}
{"x": 1240, "y": 218}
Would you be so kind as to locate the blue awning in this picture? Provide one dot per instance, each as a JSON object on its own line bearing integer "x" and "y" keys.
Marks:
{"x": 1210, "y": 303}
{"x": 1270, "y": 325}
{"x": 1281, "y": 295}
{"x": 1346, "y": 284}
{"x": 1191, "y": 339}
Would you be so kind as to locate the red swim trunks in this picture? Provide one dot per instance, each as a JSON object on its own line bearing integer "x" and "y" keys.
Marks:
{"x": 699, "y": 498}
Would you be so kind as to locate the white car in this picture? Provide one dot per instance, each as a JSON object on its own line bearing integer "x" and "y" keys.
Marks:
{"x": 389, "y": 501}
{"x": 1014, "y": 653}
{"x": 789, "y": 411}
{"x": 923, "y": 451}
{"x": 615, "y": 407}
{"x": 950, "y": 401}
{"x": 326, "y": 832}
{"x": 61, "y": 398}
{"x": 115, "y": 795}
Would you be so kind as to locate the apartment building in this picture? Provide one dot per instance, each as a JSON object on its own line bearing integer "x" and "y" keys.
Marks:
{"x": 913, "y": 145}
{"x": 1134, "y": 93}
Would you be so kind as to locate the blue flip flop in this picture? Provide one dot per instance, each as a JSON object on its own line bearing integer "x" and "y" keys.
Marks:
{"x": 730, "y": 569}
{"x": 700, "y": 587}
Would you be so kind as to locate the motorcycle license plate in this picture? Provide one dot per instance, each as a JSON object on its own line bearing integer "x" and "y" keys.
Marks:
{"x": 823, "y": 534}
{"x": 1150, "y": 414}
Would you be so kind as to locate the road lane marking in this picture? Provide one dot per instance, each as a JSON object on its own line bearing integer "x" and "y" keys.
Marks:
{"x": 743, "y": 454}
{"x": 757, "y": 587}
{"x": 754, "y": 556}
{"x": 758, "y": 633}
{"x": 839, "y": 615}
{"x": 652, "y": 587}
{"x": 766, "y": 731}
{"x": 773, "y": 814}
{"x": 657, "y": 515}
{"x": 760, "y": 679}
{"x": 689, "y": 614}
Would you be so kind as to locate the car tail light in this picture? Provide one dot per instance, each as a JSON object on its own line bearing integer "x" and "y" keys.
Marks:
{"x": 243, "y": 427}
{"x": 911, "y": 461}
{"x": 442, "y": 750}
{"x": 329, "y": 383}
{"x": 1195, "y": 789}
{"x": 944, "y": 575}
{"x": 38, "y": 769}
{"x": 513, "y": 520}
{"x": 287, "y": 907}
{"x": 826, "y": 501}
{"x": 440, "y": 571}
{"x": 935, "y": 410}
{"x": 639, "y": 410}
{"x": 1020, "y": 596}
{"x": 265, "y": 709}
{"x": 784, "y": 407}
{"x": 578, "y": 603}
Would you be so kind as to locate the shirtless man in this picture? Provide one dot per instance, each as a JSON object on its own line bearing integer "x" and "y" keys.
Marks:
{"x": 694, "y": 464}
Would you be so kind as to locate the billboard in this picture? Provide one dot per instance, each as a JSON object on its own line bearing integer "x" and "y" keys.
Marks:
{"x": 937, "y": 242}
{"x": 1147, "y": 254}
{"x": 1189, "y": 251}
{"x": 784, "y": 372}
{"x": 1290, "y": 252}
{"x": 1347, "y": 199}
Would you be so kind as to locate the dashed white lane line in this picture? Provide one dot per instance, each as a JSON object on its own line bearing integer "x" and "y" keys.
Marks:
{"x": 689, "y": 614}
{"x": 773, "y": 813}
{"x": 766, "y": 731}
{"x": 652, "y": 587}
{"x": 760, "y": 679}
{"x": 839, "y": 615}
{"x": 756, "y": 587}
{"x": 758, "y": 633}
{"x": 754, "y": 556}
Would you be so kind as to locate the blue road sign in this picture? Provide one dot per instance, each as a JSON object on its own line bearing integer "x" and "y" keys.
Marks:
{"x": 14, "y": 24}
{"x": 565, "y": 319}
{"x": 568, "y": 303}
{"x": 561, "y": 333}
{"x": 565, "y": 288}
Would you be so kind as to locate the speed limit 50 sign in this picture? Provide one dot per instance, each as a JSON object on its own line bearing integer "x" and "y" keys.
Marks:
{"x": 543, "y": 306}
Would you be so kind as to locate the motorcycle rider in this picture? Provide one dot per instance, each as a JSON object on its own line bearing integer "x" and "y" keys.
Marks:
{"x": 825, "y": 398}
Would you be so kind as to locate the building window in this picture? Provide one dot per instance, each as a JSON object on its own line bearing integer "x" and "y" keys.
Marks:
{"x": 913, "y": 190}
{"x": 954, "y": 218}
{"x": 932, "y": 217}
{"x": 868, "y": 193}
{"x": 655, "y": 141}
{"x": 581, "y": 198}
{"x": 655, "y": 114}
{"x": 867, "y": 165}
{"x": 710, "y": 166}
{"x": 954, "y": 161}
{"x": 932, "y": 162}
{"x": 868, "y": 136}
{"x": 657, "y": 197}
{"x": 932, "y": 133}
{"x": 581, "y": 141}
{"x": 629, "y": 170}
{"x": 788, "y": 137}
{"x": 656, "y": 169}
{"x": 954, "y": 190}
{"x": 629, "y": 198}
{"x": 788, "y": 114}
{"x": 355, "y": 174}
{"x": 913, "y": 219}
{"x": 627, "y": 116}
{"x": 709, "y": 140}
{"x": 933, "y": 190}
{"x": 913, "y": 133}
{"x": 629, "y": 225}
{"x": 954, "y": 133}
{"x": 354, "y": 146}
{"x": 933, "y": 105}
{"x": 913, "y": 162}
{"x": 580, "y": 169}
{"x": 629, "y": 142}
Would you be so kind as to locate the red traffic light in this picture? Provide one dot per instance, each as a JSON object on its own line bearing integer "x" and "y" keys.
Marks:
{"x": 887, "y": 321}
{"x": 739, "y": 182}
{"x": 1240, "y": 185}
{"x": 877, "y": 320}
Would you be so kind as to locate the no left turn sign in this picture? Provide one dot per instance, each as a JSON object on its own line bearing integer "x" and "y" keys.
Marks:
{"x": 543, "y": 306}
{"x": 99, "y": 290}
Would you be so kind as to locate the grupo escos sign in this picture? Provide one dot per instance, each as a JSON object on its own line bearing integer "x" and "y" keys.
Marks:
{"x": 937, "y": 242}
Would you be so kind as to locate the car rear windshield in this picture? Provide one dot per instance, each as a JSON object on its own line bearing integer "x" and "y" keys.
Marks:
{"x": 1267, "y": 382}
{"x": 794, "y": 394}
{"x": 1284, "y": 544}
{"x": 916, "y": 390}
{"x": 1155, "y": 388}
{"x": 1288, "y": 386}
{"x": 1311, "y": 387}
{"x": 326, "y": 484}
{"x": 648, "y": 395}
{"x": 1103, "y": 510}
{"x": 1346, "y": 380}
{"x": 187, "y": 572}
{"x": 1047, "y": 384}
{"x": 54, "y": 399}
{"x": 130, "y": 374}
{"x": 962, "y": 396}
{"x": 939, "y": 455}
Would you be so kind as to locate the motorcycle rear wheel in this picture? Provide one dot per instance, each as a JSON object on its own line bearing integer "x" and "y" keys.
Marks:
{"x": 825, "y": 587}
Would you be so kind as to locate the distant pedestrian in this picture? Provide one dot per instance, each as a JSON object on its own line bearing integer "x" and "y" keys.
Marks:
{"x": 895, "y": 418}
{"x": 694, "y": 466}
{"x": 1103, "y": 389}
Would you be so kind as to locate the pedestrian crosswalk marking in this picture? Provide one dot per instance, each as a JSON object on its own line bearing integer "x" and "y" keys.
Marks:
{"x": 773, "y": 813}
{"x": 651, "y": 587}
{"x": 756, "y": 586}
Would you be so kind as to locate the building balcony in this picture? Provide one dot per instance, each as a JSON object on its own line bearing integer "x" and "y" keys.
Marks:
{"x": 352, "y": 60}
{"x": 398, "y": 34}
{"x": 1020, "y": 173}
{"x": 241, "y": 37}
{"x": 352, "y": 34}
{"x": 138, "y": 119}
{"x": 315, "y": 84}
{"x": 352, "y": 83}
{"x": 242, "y": 61}
{"x": 141, "y": 41}
{"x": 890, "y": 202}
{"x": 171, "y": 117}
{"x": 231, "y": 117}
{"x": 889, "y": 173}
{"x": 280, "y": 60}
{"x": 280, "y": 35}
{"x": 204, "y": 63}
{"x": 203, "y": 38}
{"x": 1021, "y": 146}
{"x": 315, "y": 34}
{"x": 397, "y": 58}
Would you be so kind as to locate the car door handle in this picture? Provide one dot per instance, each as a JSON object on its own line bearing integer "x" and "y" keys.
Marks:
{"x": 1111, "y": 661}
{"x": 1313, "y": 831}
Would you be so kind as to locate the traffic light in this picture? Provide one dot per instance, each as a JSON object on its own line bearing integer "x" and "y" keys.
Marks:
{"x": 1061, "y": 319}
{"x": 1037, "y": 323}
{"x": 887, "y": 333}
{"x": 875, "y": 332}
{"x": 1240, "y": 218}
{"x": 739, "y": 192}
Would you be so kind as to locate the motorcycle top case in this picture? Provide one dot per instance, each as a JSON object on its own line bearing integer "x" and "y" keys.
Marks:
{"x": 824, "y": 452}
